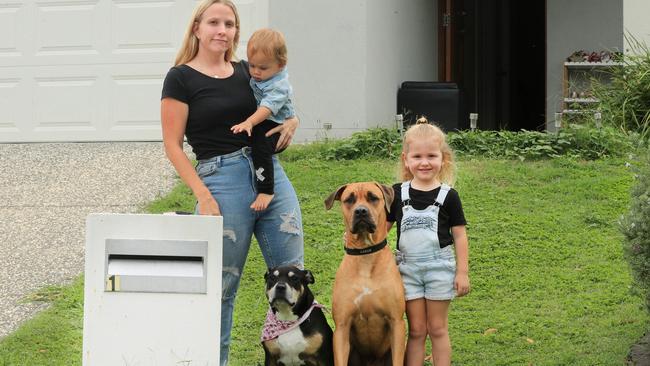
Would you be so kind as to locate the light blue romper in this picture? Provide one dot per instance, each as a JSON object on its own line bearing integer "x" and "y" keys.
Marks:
{"x": 427, "y": 270}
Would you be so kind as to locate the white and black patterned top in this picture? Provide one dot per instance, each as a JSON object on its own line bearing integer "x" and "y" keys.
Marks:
{"x": 451, "y": 212}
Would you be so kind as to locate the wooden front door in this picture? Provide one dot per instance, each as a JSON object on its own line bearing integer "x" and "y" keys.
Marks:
{"x": 495, "y": 50}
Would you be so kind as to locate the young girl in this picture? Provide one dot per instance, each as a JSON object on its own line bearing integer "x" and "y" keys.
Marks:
{"x": 430, "y": 219}
{"x": 267, "y": 58}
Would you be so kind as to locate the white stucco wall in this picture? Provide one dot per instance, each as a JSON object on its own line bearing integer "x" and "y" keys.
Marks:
{"x": 572, "y": 25}
{"x": 401, "y": 46}
{"x": 348, "y": 57}
{"x": 635, "y": 18}
{"x": 326, "y": 52}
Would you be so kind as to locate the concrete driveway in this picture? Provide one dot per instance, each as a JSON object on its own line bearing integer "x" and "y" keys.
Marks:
{"x": 46, "y": 192}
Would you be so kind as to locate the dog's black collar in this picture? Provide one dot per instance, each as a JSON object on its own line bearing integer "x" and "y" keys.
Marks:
{"x": 368, "y": 250}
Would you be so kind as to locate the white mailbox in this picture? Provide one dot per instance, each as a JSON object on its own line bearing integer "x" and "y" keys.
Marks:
{"x": 152, "y": 293}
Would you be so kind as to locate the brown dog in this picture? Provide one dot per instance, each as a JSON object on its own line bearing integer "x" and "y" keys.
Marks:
{"x": 368, "y": 296}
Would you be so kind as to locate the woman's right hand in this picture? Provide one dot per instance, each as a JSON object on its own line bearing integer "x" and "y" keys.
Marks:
{"x": 286, "y": 130}
{"x": 174, "y": 120}
{"x": 208, "y": 206}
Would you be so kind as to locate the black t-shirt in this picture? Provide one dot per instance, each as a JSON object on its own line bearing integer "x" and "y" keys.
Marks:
{"x": 215, "y": 105}
{"x": 451, "y": 213}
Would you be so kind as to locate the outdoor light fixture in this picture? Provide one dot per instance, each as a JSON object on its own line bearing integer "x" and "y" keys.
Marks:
{"x": 598, "y": 118}
{"x": 558, "y": 120}
{"x": 473, "y": 119}
{"x": 399, "y": 120}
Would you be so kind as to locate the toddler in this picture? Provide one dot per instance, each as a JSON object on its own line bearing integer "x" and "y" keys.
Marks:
{"x": 267, "y": 60}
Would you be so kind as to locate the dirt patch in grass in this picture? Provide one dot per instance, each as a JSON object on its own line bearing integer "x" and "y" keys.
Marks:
{"x": 640, "y": 352}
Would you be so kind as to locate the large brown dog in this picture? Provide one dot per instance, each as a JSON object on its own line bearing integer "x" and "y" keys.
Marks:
{"x": 368, "y": 296}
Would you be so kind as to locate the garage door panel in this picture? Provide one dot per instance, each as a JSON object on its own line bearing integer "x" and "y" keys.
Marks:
{"x": 11, "y": 43}
{"x": 135, "y": 102}
{"x": 67, "y": 29}
{"x": 135, "y": 91}
{"x": 92, "y": 70}
{"x": 65, "y": 103}
{"x": 143, "y": 27}
{"x": 9, "y": 95}
{"x": 91, "y": 32}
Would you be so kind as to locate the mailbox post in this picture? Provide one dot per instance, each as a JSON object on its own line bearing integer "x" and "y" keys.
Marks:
{"x": 152, "y": 293}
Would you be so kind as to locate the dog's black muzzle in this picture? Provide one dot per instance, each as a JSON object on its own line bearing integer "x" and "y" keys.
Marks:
{"x": 362, "y": 221}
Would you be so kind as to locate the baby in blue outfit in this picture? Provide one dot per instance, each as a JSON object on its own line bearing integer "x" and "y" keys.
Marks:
{"x": 267, "y": 60}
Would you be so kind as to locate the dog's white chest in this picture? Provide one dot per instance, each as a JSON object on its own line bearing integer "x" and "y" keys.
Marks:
{"x": 365, "y": 291}
{"x": 292, "y": 343}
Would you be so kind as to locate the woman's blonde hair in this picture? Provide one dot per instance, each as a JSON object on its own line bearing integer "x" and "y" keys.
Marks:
{"x": 421, "y": 130}
{"x": 190, "y": 45}
{"x": 270, "y": 43}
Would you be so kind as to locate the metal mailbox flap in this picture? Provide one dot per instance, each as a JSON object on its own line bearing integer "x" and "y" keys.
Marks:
{"x": 169, "y": 266}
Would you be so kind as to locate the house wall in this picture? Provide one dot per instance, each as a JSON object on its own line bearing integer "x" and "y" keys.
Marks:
{"x": 402, "y": 45}
{"x": 572, "y": 25}
{"x": 635, "y": 17}
{"x": 348, "y": 57}
{"x": 326, "y": 63}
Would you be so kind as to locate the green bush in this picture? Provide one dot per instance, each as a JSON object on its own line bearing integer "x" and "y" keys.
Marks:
{"x": 635, "y": 226}
{"x": 575, "y": 141}
{"x": 375, "y": 143}
{"x": 509, "y": 145}
{"x": 378, "y": 143}
{"x": 625, "y": 102}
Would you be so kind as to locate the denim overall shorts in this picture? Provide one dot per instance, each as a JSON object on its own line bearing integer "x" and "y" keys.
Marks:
{"x": 427, "y": 270}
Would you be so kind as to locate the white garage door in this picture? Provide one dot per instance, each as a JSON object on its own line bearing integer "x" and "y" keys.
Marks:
{"x": 91, "y": 70}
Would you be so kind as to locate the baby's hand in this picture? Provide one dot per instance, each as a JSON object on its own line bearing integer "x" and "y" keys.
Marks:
{"x": 262, "y": 202}
{"x": 244, "y": 126}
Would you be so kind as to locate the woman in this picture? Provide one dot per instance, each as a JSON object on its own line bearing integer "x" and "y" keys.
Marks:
{"x": 204, "y": 95}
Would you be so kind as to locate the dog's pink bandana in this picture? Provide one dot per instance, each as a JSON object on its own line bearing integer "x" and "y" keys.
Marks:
{"x": 273, "y": 327}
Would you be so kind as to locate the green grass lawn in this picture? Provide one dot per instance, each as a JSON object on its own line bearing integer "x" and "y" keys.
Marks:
{"x": 550, "y": 285}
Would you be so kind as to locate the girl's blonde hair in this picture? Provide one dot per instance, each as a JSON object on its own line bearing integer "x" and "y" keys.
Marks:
{"x": 421, "y": 130}
{"x": 190, "y": 45}
{"x": 270, "y": 43}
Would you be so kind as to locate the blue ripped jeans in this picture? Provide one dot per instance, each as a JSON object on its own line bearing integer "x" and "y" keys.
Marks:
{"x": 278, "y": 229}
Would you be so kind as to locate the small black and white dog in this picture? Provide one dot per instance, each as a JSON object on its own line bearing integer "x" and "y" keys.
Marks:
{"x": 296, "y": 331}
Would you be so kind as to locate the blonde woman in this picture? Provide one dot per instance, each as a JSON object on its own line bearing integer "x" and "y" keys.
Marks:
{"x": 204, "y": 95}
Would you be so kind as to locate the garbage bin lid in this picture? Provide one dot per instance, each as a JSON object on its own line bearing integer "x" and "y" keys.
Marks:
{"x": 428, "y": 85}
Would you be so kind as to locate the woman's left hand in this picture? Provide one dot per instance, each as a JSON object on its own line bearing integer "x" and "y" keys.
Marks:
{"x": 287, "y": 130}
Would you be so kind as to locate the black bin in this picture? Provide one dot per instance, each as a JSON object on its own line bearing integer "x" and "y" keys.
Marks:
{"x": 439, "y": 102}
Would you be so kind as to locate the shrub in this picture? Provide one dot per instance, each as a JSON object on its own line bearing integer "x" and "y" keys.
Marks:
{"x": 379, "y": 143}
{"x": 508, "y": 145}
{"x": 375, "y": 142}
{"x": 635, "y": 226}
{"x": 625, "y": 102}
{"x": 575, "y": 141}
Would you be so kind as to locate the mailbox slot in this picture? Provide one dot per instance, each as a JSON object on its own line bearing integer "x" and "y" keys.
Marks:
{"x": 168, "y": 266}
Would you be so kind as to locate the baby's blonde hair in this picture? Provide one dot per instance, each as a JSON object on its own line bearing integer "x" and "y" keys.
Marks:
{"x": 422, "y": 129}
{"x": 270, "y": 43}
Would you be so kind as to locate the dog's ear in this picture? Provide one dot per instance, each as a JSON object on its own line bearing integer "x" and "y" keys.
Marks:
{"x": 335, "y": 196}
{"x": 266, "y": 275}
{"x": 389, "y": 195}
{"x": 309, "y": 277}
